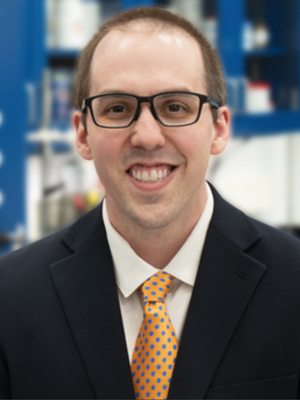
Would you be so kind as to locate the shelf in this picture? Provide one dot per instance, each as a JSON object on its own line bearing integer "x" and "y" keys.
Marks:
{"x": 63, "y": 53}
{"x": 51, "y": 136}
{"x": 59, "y": 142}
{"x": 276, "y": 122}
{"x": 267, "y": 52}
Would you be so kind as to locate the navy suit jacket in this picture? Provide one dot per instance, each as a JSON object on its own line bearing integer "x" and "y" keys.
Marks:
{"x": 61, "y": 332}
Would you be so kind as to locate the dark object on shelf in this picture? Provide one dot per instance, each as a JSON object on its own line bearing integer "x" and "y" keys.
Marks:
{"x": 5, "y": 238}
{"x": 52, "y": 189}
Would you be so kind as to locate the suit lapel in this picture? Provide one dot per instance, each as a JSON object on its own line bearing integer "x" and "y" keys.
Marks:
{"x": 85, "y": 284}
{"x": 226, "y": 281}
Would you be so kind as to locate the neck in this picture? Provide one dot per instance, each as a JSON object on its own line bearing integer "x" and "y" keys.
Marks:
{"x": 158, "y": 246}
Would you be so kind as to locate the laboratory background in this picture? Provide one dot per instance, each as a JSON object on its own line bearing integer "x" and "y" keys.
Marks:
{"x": 45, "y": 185}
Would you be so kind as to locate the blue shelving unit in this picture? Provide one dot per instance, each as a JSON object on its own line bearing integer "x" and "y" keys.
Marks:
{"x": 127, "y": 4}
{"x": 266, "y": 124}
{"x": 62, "y": 53}
{"x": 268, "y": 52}
{"x": 13, "y": 116}
{"x": 22, "y": 61}
{"x": 24, "y": 58}
{"x": 279, "y": 63}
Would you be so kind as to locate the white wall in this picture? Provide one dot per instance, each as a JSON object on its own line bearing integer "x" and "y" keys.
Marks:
{"x": 261, "y": 177}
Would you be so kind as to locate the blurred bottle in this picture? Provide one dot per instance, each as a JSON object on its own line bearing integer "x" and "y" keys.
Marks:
{"x": 19, "y": 238}
{"x": 93, "y": 198}
{"x": 61, "y": 97}
{"x": 92, "y": 18}
{"x": 1, "y": 158}
{"x": 51, "y": 12}
{"x": 248, "y": 36}
{"x": 211, "y": 30}
{"x": 258, "y": 97}
{"x": 194, "y": 12}
{"x": 72, "y": 23}
{"x": 189, "y": 9}
{"x": 261, "y": 35}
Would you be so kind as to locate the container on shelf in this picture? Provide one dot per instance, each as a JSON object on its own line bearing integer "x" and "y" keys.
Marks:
{"x": 193, "y": 11}
{"x": 248, "y": 36}
{"x": 210, "y": 30}
{"x": 258, "y": 98}
{"x": 72, "y": 23}
{"x": 92, "y": 18}
{"x": 51, "y": 12}
{"x": 189, "y": 9}
{"x": 261, "y": 35}
{"x": 61, "y": 97}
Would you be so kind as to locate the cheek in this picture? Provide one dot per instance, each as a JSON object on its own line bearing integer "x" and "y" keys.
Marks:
{"x": 106, "y": 153}
{"x": 102, "y": 148}
{"x": 195, "y": 146}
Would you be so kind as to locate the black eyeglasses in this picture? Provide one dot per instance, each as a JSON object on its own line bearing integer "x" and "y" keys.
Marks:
{"x": 119, "y": 110}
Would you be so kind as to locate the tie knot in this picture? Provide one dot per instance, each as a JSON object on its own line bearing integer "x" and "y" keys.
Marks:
{"x": 156, "y": 287}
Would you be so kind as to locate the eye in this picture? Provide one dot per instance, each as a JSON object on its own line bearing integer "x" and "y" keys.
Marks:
{"x": 116, "y": 109}
{"x": 174, "y": 108}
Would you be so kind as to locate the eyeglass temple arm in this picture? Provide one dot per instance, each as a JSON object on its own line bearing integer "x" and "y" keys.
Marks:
{"x": 212, "y": 103}
{"x": 83, "y": 106}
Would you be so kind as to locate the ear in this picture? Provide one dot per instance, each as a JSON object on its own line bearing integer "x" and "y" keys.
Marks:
{"x": 82, "y": 138}
{"x": 221, "y": 131}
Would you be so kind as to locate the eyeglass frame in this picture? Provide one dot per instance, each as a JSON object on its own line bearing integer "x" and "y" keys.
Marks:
{"x": 86, "y": 103}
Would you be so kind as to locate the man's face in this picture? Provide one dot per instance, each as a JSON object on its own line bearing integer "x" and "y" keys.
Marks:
{"x": 147, "y": 63}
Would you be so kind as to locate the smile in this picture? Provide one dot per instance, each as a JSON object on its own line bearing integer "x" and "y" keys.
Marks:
{"x": 150, "y": 174}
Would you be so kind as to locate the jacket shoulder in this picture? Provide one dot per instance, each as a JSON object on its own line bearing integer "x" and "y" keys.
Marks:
{"x": 268, "y": 245}
{"x": 30, "y": 261}
{"x": 33, "y": 258}
{"x": 276, "y": 248}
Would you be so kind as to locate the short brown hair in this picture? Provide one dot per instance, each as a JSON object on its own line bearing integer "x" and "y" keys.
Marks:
{"x": 213, "y": 71}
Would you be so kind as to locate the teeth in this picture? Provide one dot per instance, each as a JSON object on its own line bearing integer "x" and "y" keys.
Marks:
{"x": 145, "y": 176}
{"x": 154, "y": 176}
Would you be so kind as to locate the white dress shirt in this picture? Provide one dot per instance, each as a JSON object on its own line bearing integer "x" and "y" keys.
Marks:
{"x": 131, "y": 271}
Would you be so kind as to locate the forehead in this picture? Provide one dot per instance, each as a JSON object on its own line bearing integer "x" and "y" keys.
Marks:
{"x": 141, "y": 59}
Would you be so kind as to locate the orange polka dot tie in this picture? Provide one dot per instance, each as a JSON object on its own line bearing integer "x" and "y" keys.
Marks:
{"x": 156, "y": 346}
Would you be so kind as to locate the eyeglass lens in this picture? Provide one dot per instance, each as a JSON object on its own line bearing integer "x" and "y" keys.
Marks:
{"x": 172, "y": 109}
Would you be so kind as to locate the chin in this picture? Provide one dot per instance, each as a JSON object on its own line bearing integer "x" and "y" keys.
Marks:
{"x": 151, "y": 218}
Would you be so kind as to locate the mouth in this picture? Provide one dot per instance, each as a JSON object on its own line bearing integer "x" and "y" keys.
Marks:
{"x": 152, "y": 174}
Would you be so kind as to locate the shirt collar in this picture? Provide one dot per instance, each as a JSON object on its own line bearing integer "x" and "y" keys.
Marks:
{"x": 131, "y": 270}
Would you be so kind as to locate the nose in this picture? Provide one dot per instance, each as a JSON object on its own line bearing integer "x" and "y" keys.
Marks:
{"x": 147, "y": 132}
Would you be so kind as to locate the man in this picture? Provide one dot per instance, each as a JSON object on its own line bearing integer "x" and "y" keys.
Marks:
{"x": 164, "y": 289}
